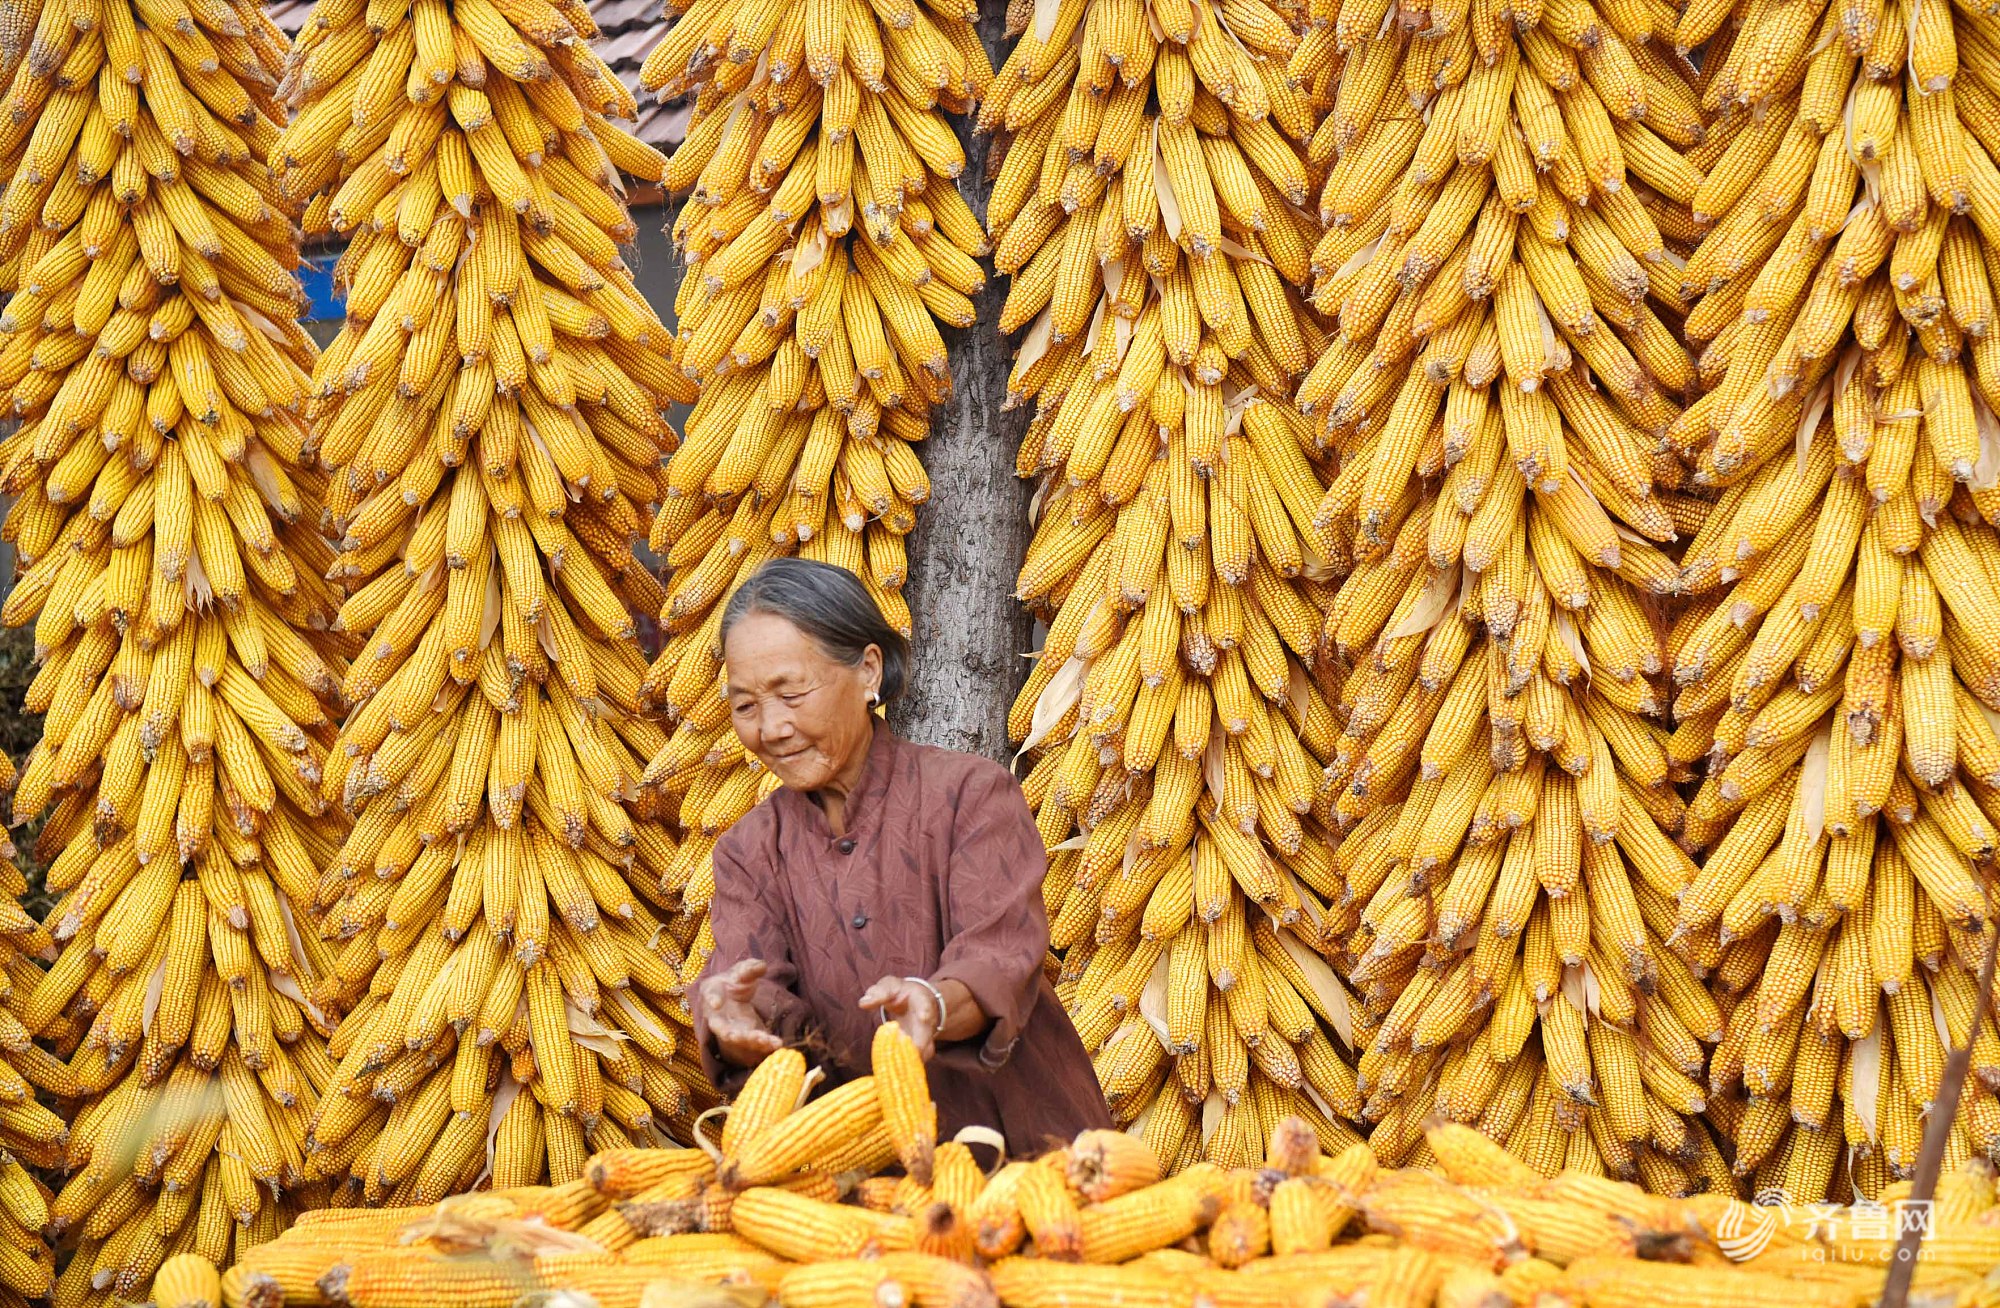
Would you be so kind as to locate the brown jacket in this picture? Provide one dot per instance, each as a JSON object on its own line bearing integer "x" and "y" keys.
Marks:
{"x": 938, "y": 876}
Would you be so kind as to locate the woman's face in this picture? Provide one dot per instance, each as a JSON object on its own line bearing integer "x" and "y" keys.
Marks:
{"x": 804, "y": 715}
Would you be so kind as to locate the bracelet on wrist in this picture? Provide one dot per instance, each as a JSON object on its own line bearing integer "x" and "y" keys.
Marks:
{"x": 936, "y": 994}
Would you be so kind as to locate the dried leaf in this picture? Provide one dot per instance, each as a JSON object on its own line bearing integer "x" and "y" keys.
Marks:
{"x": 1812, "y": 783}
{"x": 1036, "y": 343}
{"x": 1212, "y": 1109}
{"x": 156, "y": 985}
{"x": 1235, "y": 251}
{"x": 1986, "y": 472}
{"x": 1430, "y": 608}
{"x": 1867, "y": 1081}
{"x": 1163, "y": 187}
{"x": 1063, "y": 690}
{"x": 1045, "y": 18}
{"x": 1325, "y": 993}
{"x": 592, "y": 1034}
{"x": 1576, "y": 989}
{"x": 1153, "y": 1002}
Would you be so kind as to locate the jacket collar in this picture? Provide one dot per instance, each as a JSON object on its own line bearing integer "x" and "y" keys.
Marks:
{"x": 870, "y": 793}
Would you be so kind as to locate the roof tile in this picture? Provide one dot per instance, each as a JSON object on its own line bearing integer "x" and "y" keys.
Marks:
{"x": 290, "y": 15}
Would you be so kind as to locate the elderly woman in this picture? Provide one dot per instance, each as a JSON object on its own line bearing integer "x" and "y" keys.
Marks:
{"x": 885, "y": 882}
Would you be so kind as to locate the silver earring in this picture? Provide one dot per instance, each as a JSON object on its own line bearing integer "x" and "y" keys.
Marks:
{"x": 873, "y": 699}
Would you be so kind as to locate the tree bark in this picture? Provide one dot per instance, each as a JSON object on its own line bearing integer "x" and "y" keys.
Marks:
{"x": 968, "y": 631}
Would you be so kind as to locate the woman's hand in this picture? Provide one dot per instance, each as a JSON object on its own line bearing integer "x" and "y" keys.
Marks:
{"x": 913, "y": 1006}
{"x": 728, "y": 1002}
{"x": 910, "y": 1006}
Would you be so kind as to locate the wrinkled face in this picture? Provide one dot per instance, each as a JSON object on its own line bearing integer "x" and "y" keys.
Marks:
{"x": 804, "y": 715}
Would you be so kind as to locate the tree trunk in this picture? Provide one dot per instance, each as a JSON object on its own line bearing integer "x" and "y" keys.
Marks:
{"x": 968, "y": 631}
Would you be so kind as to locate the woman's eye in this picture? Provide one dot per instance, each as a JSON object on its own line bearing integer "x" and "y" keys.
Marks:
{"x": 792, "y": 696}
{"x": 740, "y": 709}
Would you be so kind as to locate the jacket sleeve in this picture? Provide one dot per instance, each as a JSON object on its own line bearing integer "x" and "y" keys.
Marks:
{"x": 998, "y": 928}
{"x": 748, "y": 920}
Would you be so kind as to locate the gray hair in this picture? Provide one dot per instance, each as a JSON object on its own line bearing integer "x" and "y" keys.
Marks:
{"x": 829, "y": 604}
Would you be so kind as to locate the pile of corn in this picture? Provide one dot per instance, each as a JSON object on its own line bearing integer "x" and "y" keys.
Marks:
{"x": 1178, "y": 721}
{"x": 505, "y": 952}
{"x": 826, "y": 243}
{"x": 792, "y": 1205}
{"x": 164, "y": 514}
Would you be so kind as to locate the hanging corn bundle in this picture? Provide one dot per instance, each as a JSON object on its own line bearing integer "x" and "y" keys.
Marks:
{"x": 1154, "y": 184}
{"x": 1506, "y": 213}
{"x": 492, "y": 417}
{"x": 165, "y": 512}
{"x": 1503, "y": 185}
{"x": 1509, "y": 817}
{"x": 1834, "y": 669}
{"x": 1844, "y": 712}
{"x": 1506, "y": 201}
{"x": 1181, "y": 722}
{"x": 826, "y": 242}
{"x": 1178, "y": 714}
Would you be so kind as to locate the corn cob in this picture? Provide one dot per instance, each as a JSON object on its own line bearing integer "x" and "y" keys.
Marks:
{"x": 164, "y": 509}
{"x": 1106, "y": 1164}
{"x": 188, "y": 1281}
{"x": 903, "y": 1089}
{"x": 826, "y": 242}
{"x": 808, "y": 1138}
{"x": 507, "y": 954}
{"x": 623, "y": 1174}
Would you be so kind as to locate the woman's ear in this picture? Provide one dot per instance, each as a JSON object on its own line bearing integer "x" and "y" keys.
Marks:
{"x": 870, "y": 672}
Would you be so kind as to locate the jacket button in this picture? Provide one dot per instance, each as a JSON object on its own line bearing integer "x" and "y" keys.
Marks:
{"x": 860, "y": 920}
{"x": 845, "y": 846}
